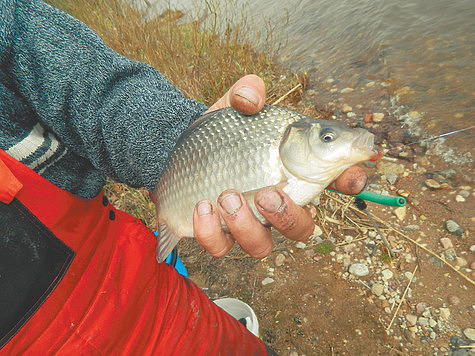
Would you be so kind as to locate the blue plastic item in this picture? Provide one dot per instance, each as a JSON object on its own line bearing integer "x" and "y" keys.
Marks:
{"x": 174, "y": 261}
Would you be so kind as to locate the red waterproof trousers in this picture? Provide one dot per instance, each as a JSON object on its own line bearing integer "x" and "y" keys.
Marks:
{"x": 114, "y": 298}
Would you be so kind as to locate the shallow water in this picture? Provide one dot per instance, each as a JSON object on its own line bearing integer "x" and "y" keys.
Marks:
{"x": 420, "y": 52}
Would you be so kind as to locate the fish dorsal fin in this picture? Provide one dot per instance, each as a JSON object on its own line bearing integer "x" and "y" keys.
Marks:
{"x": 167, "y": 241}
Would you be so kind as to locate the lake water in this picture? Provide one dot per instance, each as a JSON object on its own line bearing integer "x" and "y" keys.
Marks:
{"x": 399, "y": 57}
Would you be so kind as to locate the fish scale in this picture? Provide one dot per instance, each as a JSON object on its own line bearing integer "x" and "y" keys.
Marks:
{"x": 223, "y": 150}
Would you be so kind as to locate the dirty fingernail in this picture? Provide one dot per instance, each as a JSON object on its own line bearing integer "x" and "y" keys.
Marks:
{"x": 249, "y": 94}
{"x": 204, "y": 208}
{"x": 231, "y": 203}
{"x": 271, "y": 201}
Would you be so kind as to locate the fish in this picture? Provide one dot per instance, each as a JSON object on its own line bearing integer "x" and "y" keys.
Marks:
{"x": 225, "y": 149}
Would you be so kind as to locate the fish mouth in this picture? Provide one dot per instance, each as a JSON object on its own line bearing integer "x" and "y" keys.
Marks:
{"x": 364, "y": 141}
{"x": 364, "y": 145}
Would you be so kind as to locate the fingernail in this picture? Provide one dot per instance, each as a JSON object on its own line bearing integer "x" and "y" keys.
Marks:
{"x": 231, "y": 203}
{"x": 204, "y": 208}
{"x": 249, "y": 94}
{"x": 271, "y": 201}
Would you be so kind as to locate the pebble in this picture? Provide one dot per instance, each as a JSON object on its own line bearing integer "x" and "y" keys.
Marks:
{"x": 459, "y": 199}
{"x": 472, "y": 248}
{"x": 346, "y": 90}
{"x": 400, "y": 213}
{"x": 422, "y": 321}
{"x": 377, "y": 289}
{"x": 461, "y": 262}
{"x": 411, "y": 319}
{"x": 358, "y": 269}
{"x": 317, "y": 231}
{"x": 469, "y": 333}
{"x": 279, "y": 260}
{"x": 472, "y": 265}
{"x": 432, "y": 184}
{"x": 421, "y": 307}
{"x": 387, "y": 274}
{"x": 412, "y": 227}
{"x": 346, "y": 108}
{"x": 444, "y": 313}
{"x": 446, "y": 243}
{"x": 454, "y": 228}
{"x": 293, "y": 353}
{"x": 464, "y": 193}
{"x": 267, "y": 280}
{"x": 300, "y": 245}
{"x": 378, "y": 116}
{"x": 392, "y": 178}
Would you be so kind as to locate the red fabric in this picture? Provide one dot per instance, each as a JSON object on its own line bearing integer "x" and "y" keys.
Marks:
{"x": 9, "y": 185}
{"x": 115, "y": 298}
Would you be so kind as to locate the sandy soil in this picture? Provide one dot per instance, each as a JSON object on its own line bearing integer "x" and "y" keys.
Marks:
{"x": 314, "y": 306}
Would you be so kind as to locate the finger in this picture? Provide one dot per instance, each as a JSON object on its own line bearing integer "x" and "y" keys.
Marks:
{"x": 291, "y": 220}
{"x": 351, "y": 181}
{"x": 208, "y": 231}
{"x": 251, "y": 235}
{"x": 247, "y": 95}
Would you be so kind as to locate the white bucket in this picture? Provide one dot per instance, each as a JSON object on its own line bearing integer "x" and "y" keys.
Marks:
{"x": 240, "y": 310}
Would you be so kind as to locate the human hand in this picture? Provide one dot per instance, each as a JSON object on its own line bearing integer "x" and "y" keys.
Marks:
{"x": 248, "y": 95}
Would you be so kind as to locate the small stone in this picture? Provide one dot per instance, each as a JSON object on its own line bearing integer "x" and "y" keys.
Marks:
{"x": 267, "y": 280}
{"x": 472, "y": 248}
{"x": 346, "y": 108}
{"x": 432, "y": 323}
{"x": 378, "y": 116}
{"x": 421, "y": 307}
{"x": 279, "y": 260}
{"x": 453, "y": 300}
{"x": 411, "y": 319}
{"x": 358, "y": 269}
{"x": 387, "y": 274}
{"x": 346, "y": 90}
{"x": 377, "y": 289}
{"x": 433, "y": 335}
{"x": 400, "y": 213}
{"x": 391, "y": 178}
{"x": 444, "y": 314}
{"x": 472, "y": 265}
{"x": 317, "y": 231}
{"x": 412, "y": 227}
{"x": 459, "y": 199}
{"x": 454, "y": 228}
{"x": 300, "y": 245}
{"x": 469, "y": 333}
{"x": 461, "y": 262}
{"x": 446, "y": 243}
{"x": 309, "y": 253}
{"x": 422, "y": 321}
{"x": 464, "y": 193}
{"x": 432, "y": 184}
{"x": 448, "y": 173}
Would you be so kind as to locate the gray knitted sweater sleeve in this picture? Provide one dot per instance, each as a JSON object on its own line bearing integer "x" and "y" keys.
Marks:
{"x": 95, "y": 112}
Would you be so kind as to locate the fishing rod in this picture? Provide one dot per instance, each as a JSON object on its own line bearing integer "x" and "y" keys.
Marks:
{"x": 430, "y": 138}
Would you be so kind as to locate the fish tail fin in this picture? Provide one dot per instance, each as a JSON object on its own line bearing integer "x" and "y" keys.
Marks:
{"x": 167, "y": 240}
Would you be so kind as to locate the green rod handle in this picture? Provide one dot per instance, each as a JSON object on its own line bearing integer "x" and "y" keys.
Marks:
{"x": 378, "y": 198}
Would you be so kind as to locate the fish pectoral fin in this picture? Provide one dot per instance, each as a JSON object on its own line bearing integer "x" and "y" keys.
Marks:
{"x": 167, "y": 241}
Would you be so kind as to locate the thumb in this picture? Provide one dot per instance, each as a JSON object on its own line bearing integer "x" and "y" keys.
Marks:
{"x": 247, "y": 95}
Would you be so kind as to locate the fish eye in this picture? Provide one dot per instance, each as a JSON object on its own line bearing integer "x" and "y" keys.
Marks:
{"x": 327, "y": 136}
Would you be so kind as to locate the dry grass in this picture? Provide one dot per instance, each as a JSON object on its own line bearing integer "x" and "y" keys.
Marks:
{"x": 202, "y": 56}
